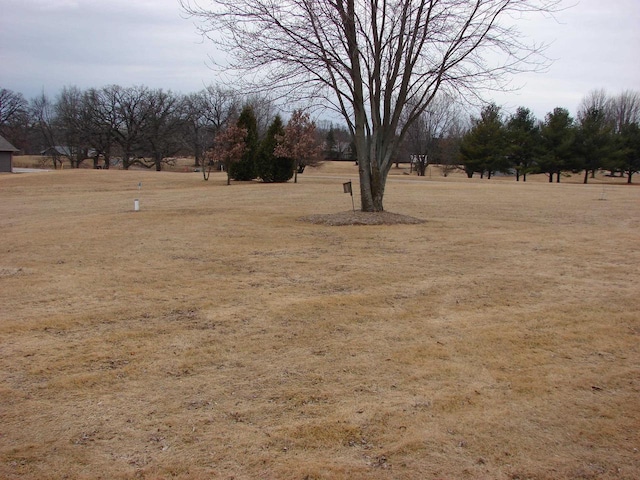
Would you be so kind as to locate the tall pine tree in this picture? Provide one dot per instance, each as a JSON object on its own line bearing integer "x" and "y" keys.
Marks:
{"x": 594, "y": 141}
{"x": 628, "y": 158}
{"x": 269, "y": 167}
{"x": 482, "y": 148}
{"x": 244, "y": 169}
{"x": 522, "y": 135}
{"x": 557, "y": 139}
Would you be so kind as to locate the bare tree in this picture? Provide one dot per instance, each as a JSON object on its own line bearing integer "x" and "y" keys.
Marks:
{"x": 104, "y": 122}
{"x": 206, "y": 113}
{"x": 132, "y": 111}
{"x": 377, "y": 62}
{"x": 72, "y": 120}
{"x": 594, "y": 100}
{"x": 624, "y": 109}
{"x": 43, "y": 113}
{"x": 221, "y": 105}
{"x": 450, "y": 147}
{"x": 11, "y": 103}
{"x": 426, "y": 133}
{"x": 162, "y": 129}
{"x": 196, "y": 131}
{"x": 419, "y": 144}
{"x": 14, "y": 116}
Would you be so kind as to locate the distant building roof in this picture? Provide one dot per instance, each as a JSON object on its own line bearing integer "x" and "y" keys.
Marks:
{"x": 66, "y": 151}
{"x": 5, "y": 146}
{"x": 57, "y": 150}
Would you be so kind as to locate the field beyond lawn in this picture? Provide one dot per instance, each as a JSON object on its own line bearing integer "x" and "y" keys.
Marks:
{"x": 214, "y": 334}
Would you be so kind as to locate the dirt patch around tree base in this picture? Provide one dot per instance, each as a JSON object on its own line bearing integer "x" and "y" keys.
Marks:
{"x": 361, "y": 218}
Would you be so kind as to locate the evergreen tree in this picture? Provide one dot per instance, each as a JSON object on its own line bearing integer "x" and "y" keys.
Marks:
{"x": 557, "y": 135}
{"x": 244, "y": 169}
{"x": 269, "y": 167}
{"x": 483, "y": 149}
{"x": 594, "y": 141}
{"x": 628, "y": 158}
{"x": 522, "y": 135}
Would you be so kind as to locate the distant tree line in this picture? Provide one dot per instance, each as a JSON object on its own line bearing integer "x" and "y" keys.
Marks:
{"x": 127, "y": 126}
{"x": 604, "y": 136}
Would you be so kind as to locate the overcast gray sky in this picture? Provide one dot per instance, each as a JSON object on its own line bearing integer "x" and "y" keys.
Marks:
{"x": 48, "y": 44}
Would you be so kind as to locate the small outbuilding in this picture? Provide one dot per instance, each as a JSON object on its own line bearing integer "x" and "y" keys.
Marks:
{"x": 6, "y": 155}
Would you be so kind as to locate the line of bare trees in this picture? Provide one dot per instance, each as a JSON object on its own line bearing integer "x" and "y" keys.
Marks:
{"x": 124, "y": 126}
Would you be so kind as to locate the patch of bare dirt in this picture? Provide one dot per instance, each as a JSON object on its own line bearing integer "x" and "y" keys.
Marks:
{"x": 351, "y": 217}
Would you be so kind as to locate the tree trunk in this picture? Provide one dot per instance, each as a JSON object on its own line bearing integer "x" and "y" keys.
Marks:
{"x": 206, "y": 170}
{"x": 372, "y": 183}
{"x": 197, "y": 154}
{"x": 374, "y": 165}
{"x": 557, "y": 177}
{"x": 586, "y": 177}
{"x": 629, "y": 178}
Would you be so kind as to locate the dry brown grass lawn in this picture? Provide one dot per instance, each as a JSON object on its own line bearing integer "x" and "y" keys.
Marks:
{"x": 213, "y": 334}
